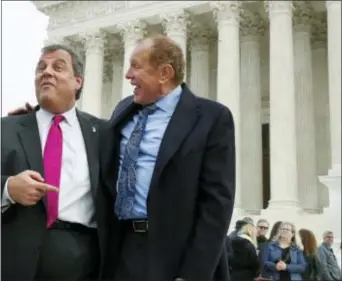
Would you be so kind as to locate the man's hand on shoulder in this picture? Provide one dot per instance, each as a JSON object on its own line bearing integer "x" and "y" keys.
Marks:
{"x": 21, "y": 110}
{"x": 28, "y": 187}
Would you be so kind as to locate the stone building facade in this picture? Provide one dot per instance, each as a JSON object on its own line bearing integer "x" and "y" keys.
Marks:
{"x": 275, "y": 64}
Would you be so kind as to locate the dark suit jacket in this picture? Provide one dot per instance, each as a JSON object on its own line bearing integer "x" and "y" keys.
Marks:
{"x": 191, "y": 195}
{"x": 23, "y": 228}
{"x": 245, "y": 264}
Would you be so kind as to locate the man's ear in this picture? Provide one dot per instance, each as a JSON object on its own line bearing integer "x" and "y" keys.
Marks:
{"x": 167, "y": 73}
{"x": 79, "y": 82}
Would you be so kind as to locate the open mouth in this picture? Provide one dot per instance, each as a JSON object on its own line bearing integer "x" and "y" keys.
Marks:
{"x": 46, "y": 84}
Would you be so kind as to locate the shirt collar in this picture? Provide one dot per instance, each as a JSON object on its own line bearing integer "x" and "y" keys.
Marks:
{"x": 169, "y": 102}
{"x": 69, "y": 116}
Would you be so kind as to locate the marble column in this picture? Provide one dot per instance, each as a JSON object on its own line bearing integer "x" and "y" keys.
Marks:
{"x": 107, "y": 85}
{"x": 334, "y": 61}
{"x": 199, "y": 51}
{"x": 117, "y": 65}
{"x": 93, "y": 75}
{"x": 284, "y": 188}
{"x": 213, "y": 67}
{"x": 321, "y": 102}
{"x": 132, "y": 32}
{"x": 305, "y": 123}
{"x": 175, "y": 26}
{"x": 227, "y": 15}
{"x": 333, "y": 179}
{"x": 252, "y": 27}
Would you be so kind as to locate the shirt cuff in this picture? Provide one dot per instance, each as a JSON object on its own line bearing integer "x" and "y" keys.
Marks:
{"x": 6, "y": 199}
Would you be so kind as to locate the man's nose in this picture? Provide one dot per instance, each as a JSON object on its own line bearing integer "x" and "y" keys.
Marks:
{"x": 48, "y": 71}
{"x": 129, "y": 75}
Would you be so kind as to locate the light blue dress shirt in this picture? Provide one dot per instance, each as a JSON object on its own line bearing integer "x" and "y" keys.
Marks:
{"x": 149, "y": 145}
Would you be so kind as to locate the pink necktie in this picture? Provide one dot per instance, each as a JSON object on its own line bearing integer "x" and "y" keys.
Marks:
{"x": 52, "y": 166}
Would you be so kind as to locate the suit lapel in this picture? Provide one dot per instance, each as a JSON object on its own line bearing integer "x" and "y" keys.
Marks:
{"x": 30, "y": 140}
{"x": 181, "y": 123}
{"x": 90, "y": 135}
{"x": 122, "y": 112}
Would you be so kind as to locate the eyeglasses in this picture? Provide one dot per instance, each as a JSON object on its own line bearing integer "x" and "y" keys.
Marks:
{"x": 263, "y": 227}
{"x": 286, "y": 229}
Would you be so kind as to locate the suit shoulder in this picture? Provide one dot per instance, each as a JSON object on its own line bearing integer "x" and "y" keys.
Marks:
{"x": 11, "y": 121}
{"x": 93, "y": 119}
{"x": 214, "y": 108}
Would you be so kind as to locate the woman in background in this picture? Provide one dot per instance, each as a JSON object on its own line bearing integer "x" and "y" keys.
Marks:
{"x": 274, "y": 231}
{"x": 283, "y": 260}
{"x": 245, "y": 263}
{"x": 312, "y": 272}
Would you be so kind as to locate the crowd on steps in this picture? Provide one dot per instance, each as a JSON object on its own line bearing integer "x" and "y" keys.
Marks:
{"x": 285, "y": 254}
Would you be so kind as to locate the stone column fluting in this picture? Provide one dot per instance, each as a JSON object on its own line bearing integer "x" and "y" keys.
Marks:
{"x": 252, "y": 27}
{"x": 333, "y": 179}
{"x": 175, "y": 25}
{"x": 284, "y": 188}
{"x": 117, "y": 66}
{"x": 334, "y": 64}
{"x": 227, "y": 15}
{"x": 199, "y": 51}
{"x": 132, "y": 32}
{"x": 305, "y": 122}
{"x": 93, "y": 76}
{"x": 321, "y": 101}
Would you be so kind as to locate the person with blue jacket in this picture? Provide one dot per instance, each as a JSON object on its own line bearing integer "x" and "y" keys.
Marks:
{"x": 283, "y": 260}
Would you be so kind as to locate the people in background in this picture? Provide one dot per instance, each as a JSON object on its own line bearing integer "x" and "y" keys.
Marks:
{"x": 262, "y": 230}
{"x": 338, "y": 256}
{"x": 309, "y": 243}
{"x": 274, "y": 230}
{"x": 238, "y": 226}
{"x": 283, "y": 259}
{"x": 330, "y": 269}
{"x": 245, "y": 263}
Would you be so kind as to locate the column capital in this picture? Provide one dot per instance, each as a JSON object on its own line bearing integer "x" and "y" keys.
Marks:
{"x": 333, "y": 4}
{"x": 199, "y": 36}
{"x": 319, "y": 30}
{"x": 54, "y": 40}
{"x": 132, "y": 31}
{"x": 303, "y": 13}
{"x": 227, "y": 11}
{"x": 278, "y": 7}
{"x": 175, "y": 21}
{"x": 94, "y": 40}
{"x": 252, "y": 24}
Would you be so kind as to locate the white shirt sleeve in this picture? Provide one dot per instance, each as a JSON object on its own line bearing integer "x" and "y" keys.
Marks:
{"x": 6, "y": 199}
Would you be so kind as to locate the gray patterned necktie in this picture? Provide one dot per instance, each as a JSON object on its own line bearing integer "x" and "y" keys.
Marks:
{"x": 127, "y": 179}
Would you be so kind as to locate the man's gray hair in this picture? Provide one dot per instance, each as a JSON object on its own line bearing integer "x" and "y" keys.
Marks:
{"x": 327, "y": 232}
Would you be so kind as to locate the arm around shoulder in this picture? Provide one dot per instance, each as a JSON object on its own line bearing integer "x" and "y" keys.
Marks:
{"x": 215, "y": 201}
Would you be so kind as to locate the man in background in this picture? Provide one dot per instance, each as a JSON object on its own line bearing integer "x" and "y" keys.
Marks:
{"x": 262, "y": 230}
{"x": 53, "y": 217}
{"x": 330, "y": 268}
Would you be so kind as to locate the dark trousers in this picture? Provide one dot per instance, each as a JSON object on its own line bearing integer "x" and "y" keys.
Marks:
{"x": 68, "y": 256}
{"x": 133, "y": 258}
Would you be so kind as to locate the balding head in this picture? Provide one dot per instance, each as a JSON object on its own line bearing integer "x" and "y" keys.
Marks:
{"x": 157, "y": 66}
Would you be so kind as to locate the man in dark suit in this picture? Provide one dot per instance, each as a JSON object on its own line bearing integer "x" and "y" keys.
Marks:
{"x": 172, "y": 176}
{"x": 54, "y": 215}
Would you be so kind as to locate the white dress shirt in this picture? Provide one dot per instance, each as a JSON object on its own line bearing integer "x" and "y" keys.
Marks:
{"x": 75, "y": 196}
